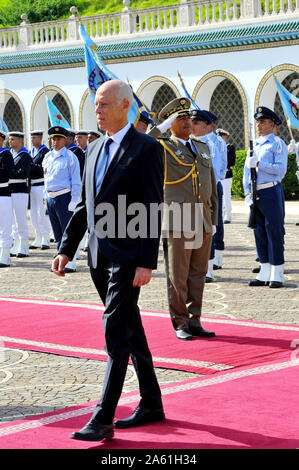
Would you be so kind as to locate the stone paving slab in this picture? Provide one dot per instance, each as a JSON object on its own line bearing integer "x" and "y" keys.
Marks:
{"x": 33, "y": 383}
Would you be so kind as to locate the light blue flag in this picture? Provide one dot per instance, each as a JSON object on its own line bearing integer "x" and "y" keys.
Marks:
{"x": 98, "y": 73}
{"x": 194, "y": 105}
{"x": 3, "y": 126}
{"x": 55, "y": 116}
{"x": 290, "y": 105}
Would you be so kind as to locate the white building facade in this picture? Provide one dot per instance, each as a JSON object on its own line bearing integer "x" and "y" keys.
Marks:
{"x": 226, "y": 53}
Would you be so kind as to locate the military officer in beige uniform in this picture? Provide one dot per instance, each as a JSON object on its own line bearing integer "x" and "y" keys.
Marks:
{"x": 189, "y": 178}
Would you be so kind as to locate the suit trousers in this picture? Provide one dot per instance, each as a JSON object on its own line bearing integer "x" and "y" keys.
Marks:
{"x": 269, "y": 231}
{"x": 186, "y": 270}
{"x": 218, "y": 238}
{"x": 125, "y": 338}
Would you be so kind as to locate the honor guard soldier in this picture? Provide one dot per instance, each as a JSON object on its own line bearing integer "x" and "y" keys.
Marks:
{"x": 62, "y": 184}
{"x": 269, "y": 158}
{"x": 81, "y": 140}
{"x": 227, "y": 180}
{"x": 93, "y": 135}
{"x": 6, "y": 166}
{"x": 203, "y": 123}
{"x": 293, "y": 147}
{"x": 39, "y": 219}
{"x": 189, "y": 178}
{"x": 70, "y": 145}
{"x": 143, "y": 122}
{"x": 19, "y": 185}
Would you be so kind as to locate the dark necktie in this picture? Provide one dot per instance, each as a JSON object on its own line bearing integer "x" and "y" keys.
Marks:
{"x": 188, "y": 145}
{"x": 102, "y": 164}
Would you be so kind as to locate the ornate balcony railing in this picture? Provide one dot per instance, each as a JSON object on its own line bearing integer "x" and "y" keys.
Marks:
{"x": 180, "y": 17}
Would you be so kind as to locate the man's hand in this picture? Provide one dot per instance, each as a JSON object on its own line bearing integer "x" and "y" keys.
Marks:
{"x": 59, "y": 263}
{"x": 165, "y": 125}
{"x": 251, "y": 162}
{"x": 142, "y": 277}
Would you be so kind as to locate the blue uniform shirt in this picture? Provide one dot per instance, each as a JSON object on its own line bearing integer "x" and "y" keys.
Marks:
{"x": 62, "y": 171}
{"x": 218, "y": 151}
{"x": 272, "y": 154}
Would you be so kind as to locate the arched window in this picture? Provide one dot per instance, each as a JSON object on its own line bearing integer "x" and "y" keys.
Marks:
{"x": 12, "y": 116}
{"x": 226, "y": 103}
{"x": 291, "y": 83}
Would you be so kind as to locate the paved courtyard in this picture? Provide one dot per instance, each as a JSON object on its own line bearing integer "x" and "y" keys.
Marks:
{"x": 40, "y": 382}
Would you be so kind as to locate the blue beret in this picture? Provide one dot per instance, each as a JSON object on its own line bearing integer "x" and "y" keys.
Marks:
{"x": 263, "y": 112}
{"x": 58, "y": 131}
{"x": 200, "y": 115}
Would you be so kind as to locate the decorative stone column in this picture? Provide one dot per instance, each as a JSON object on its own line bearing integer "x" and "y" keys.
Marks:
{"x": 251, "y": 8}
{"x": 73, "y": 25}
{"x": 185, "y": 14}
{"x": 24, "y": 33}
{"x": 126, "y": 23}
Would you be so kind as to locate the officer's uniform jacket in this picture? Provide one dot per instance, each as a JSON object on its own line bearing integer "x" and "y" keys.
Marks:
{"x": 19, "y": 178}
{"x": 189, "y": 178}
{"x": 6, "y": 166}
{"x": 37, "y": 172}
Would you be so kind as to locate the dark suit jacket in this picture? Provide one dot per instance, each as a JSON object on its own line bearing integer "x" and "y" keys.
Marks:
{"x": 136, "y": 174}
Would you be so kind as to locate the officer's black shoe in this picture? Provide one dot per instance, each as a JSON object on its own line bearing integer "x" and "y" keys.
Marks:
{"x": 256, "y": 282}
{"x": 275, "y": 284}
{"x": 33, "y": 247}
{"x": 94, "y": 431}
{"x": 256, "y": 270}
{"x": 200, "y": 331}
{"x": 183, "y": 333}
{"x": 226, "y": 221}
{"x": 297, "y": 223}
{"x": 69, "y": 270}
{"x": 22, "y": 255}
{"x": 45, "y": 247}
{"x": 139, "y": 417}
{"x": 209, "y": 279}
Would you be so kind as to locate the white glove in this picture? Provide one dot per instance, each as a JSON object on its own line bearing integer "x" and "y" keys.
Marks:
{"x": 72, "y": 206}
{"x": 291, "y": 147}
{"x": 214, "y": 228}
{"x": 251, "y": 162}
{"x": 248, "y": 200}
{"x": 165, "y": 125}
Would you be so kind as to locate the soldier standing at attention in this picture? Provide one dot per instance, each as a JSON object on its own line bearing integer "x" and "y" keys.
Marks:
{"x": 39, "y": 219}
{"x": 189, "y": 178}
{"x": 270, "y": 158}
{"x": 6, "y": 166}
{"x": 19, "y": 185}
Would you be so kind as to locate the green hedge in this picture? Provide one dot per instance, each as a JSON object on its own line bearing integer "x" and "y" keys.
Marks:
{"x": 290, "y": 181}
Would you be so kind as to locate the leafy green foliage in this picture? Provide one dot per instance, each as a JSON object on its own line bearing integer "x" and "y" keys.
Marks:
{"x": 290, "y": 182}
{"x": 37, "y": 11}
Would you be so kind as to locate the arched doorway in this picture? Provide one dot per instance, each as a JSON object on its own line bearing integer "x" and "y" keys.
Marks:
{"x": 39, "y": 118}
{"x": 156, "y": 92}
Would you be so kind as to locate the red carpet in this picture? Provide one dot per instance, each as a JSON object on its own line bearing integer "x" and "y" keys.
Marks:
{"x": 76, "y": 330}
{"x": 252, "y": 408}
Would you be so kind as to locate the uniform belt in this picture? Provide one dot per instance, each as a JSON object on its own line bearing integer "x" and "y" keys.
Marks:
{"x": 4, "y": 185}
{"x": 39, "y": 180}
{"x": 58, "y": 193}
{"x": 17, "y": 181}
{"x": 266, "y": 185}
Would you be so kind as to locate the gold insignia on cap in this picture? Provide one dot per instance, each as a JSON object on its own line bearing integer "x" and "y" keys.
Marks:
{"x": 56, "y": 128}
{"x": 183, "y": 101}
{"x": 260, "y": 110}
{"x": 194, "y": 112}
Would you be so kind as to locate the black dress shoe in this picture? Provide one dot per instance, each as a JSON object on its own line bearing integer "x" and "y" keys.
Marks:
{"x": 139, "y": 417}
{"x": 33, "y": 247}
{"x": 200, "y": 331}
{"x": 183, "y": 333}
{"x": 45, "y": 247}
{"x": 275, "y": 284}
{"x": 256, "y": 282}
{"x": 94, "y": 431}
{"x": 226, "y": 221}
{"x": 209, "y": 279}
{"x": 215, "y": 266}
{"x": 256, "y": 270}
{"x": 22, "y": 255}
{"x": 69, "y": 270}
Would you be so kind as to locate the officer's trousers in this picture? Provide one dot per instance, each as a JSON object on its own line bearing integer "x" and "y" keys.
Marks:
{"x": 5, "y": 221}
{"x": 269, "y": 231}
{"x": 20, "y": 230}
{"x": 218, "y": 238}
{"x": 186, "y": 270}
{"x": 39, "y": 219}
{"x": 59, "y": 215}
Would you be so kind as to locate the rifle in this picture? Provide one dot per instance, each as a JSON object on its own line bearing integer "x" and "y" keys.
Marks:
{"x": 253, "y": 177}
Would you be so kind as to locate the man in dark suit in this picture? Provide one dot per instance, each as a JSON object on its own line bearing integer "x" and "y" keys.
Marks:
{"x": 120, "y": 264}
